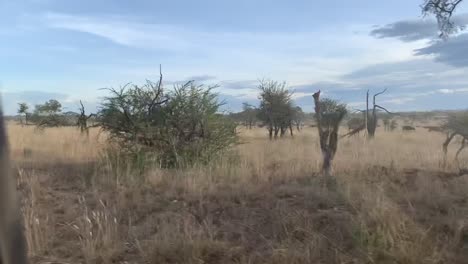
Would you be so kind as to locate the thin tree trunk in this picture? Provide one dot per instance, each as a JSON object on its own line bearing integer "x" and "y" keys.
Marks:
{"x": 366, "y": 116}
{"x": 327, "y": 162}
{"x": 445, "y": 147}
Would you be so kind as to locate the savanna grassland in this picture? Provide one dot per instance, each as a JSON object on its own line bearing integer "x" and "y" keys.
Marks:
{"x": 264, "y": 202}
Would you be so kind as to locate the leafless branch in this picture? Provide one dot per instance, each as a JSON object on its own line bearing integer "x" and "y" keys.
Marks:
{"x": 377, "y": 94}
{"x": 158, "y": 93}
{"x": 355, "y": 131}
{"x": 383, "y": 108}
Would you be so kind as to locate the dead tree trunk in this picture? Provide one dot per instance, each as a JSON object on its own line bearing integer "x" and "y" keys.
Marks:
{"x": 372, "y": 121}
{"x": 462, "y": 146}
{"x": 276, "y": 131}
{"x": 82, "y": 121}
{"x": 366, "y": 114}
{"x": 328, "y": 134}
{"x": 282, "y": 130}
{"x": 450, "y": 136}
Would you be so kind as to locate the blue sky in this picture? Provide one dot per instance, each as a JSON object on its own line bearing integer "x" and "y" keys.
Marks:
{"x": 68, "y": 50}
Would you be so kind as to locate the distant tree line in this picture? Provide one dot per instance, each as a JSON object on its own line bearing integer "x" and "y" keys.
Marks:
{"x": 48, "y": 114}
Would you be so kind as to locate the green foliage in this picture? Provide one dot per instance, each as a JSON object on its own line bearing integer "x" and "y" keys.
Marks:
{"x": 249, "y": 115}
{"x": 328, "y": 114}
{"x": 458, "y": 123}
{"x": 49, "y": 108}
{"x": 276, "y": 107}
{"x": 49, "y": 115}
{"x": 196, "y": 131}
{"x": 179, "y": 129}
{"x": 23, "y": 108}
{"x": 298, "y": 117}
{"x": 355, "y": 122}
{"x": 332, "y": 112}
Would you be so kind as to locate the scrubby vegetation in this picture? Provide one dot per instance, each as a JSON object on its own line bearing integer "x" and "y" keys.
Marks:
{"x": 393, "y": 206}
{"x": 177, "y": 129}
{"x": 160, "y": 177}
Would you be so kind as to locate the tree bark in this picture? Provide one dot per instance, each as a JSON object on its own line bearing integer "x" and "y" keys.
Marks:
{"x": 328, "y": 139}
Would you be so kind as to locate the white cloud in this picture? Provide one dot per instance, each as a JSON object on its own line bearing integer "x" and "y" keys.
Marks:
{"x": 356, "y": 104}
{"x": 299, "y": 57}
{"x": 339, "y": 61}
{"x": 452, "y": 91}
{"x": 399, "y": 101}
{"x": 446, "y": 91}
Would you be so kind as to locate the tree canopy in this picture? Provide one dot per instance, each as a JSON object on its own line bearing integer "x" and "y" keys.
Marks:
{"x": 443, "y": 10}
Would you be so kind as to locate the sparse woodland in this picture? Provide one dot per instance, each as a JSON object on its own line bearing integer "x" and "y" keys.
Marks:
{"x": 161, "y": 175}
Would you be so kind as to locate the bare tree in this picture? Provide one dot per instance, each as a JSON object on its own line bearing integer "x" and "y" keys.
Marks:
{"x": 372, "y": 120}
{"x": 370, "y": 116}
{"x": 249, "y": 115}
{"x": 443, "y": 10}
{"x": 298, "y": 118}
{"x": 328, "y": 114}
{"x": 82, "y": 121}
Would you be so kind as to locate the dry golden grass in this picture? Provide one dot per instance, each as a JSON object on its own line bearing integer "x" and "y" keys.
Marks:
{"x": 392, "y": 203}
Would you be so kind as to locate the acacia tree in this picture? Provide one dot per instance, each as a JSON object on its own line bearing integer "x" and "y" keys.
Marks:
{"x": 276, "y": 108}
{"x": 298, "y": 118}
{"x": 443, "y": 10}
{"x": 48, "y": 114}
{"x": 456, "y": 125}
{"x": 177, "y": 129}
{"x": 23, "y": 110}
{"x": 50, "y": 107}
{"x": 249, "y": 115}
{"x": 328, "y": 114}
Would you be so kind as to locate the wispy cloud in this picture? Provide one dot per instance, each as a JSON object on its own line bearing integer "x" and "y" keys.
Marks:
{"x": 414, "y": 29}
{"x": 201, "y": 78}
{"x": 120, "y": 31}
{"x": 399, "y": 101}
{"x": 453, "y": 91}
{"x": 298, "y": 51}
{"x": 409, "y": 30}
{"x": 453, "y": 51}
{"x": 343, "y": 62}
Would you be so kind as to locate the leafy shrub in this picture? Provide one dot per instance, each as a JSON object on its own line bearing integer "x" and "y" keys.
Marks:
{"x": 177, "y": 129}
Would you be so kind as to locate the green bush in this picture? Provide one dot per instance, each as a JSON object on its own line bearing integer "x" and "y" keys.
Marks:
{"x": 177, "y": 129}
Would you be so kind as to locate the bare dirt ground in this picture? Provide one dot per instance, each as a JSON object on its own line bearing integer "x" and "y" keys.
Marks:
{"x": 391, "y": 201}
